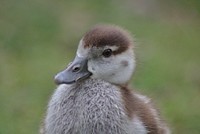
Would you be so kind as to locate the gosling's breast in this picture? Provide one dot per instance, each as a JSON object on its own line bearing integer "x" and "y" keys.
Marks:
{"x": 92, "y": 106}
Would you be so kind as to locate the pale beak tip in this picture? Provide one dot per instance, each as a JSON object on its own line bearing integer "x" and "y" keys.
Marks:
{"x": 57, "y": 79}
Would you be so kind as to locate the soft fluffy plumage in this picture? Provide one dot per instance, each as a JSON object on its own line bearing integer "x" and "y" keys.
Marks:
{"x": 93, "y": 97}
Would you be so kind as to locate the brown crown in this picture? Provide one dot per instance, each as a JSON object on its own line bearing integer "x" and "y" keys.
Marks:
{"x": 108, "y": 35}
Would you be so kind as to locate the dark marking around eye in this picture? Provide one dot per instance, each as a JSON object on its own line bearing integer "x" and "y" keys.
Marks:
{"x": 107, "y": 53}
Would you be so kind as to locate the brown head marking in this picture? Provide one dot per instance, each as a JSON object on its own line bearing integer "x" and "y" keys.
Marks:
{"x": 108, "y": 35}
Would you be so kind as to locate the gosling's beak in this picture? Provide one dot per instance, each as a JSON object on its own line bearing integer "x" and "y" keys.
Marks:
{"x": 76, "y": 71}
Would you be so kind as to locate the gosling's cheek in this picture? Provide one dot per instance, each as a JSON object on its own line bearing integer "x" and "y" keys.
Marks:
{"x": 91, "y": 68}
{"x": 124, "y": 63}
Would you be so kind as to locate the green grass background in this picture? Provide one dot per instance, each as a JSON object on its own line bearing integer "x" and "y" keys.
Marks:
{"x": 39, "y": 37}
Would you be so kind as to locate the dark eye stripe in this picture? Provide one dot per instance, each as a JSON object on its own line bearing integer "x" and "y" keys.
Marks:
{"x": 121, "y": 49}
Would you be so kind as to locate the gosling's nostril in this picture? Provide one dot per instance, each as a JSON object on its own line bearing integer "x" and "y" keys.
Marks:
{"x": 76, "y": 68}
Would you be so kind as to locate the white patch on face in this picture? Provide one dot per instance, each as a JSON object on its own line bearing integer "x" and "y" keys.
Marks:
{"x": 111, "y": 69}
{"x": 81, "y": 51}
{"x": 113, "y": 48}
{"x": 137, "y": 126}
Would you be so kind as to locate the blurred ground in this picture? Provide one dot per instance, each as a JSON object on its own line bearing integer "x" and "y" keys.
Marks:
{"x": 38, "y": 38}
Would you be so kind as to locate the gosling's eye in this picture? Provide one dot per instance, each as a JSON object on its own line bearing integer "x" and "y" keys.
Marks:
{"x": 107, "y": 53}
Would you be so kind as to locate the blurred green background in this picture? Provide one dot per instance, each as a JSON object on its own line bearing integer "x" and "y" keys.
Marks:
{"x": 39, "y": 37}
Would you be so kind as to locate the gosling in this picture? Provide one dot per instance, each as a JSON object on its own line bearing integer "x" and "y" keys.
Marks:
{"x": 93, "y": 96}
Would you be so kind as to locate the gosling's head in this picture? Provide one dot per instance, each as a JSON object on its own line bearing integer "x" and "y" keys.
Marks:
{"x": 105, "y": 52}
